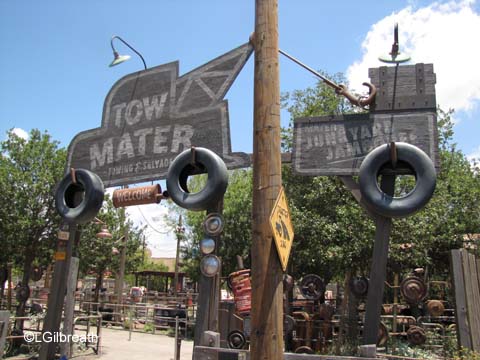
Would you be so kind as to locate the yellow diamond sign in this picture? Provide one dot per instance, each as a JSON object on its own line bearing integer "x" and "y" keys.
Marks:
{"x": 282, "y": 228}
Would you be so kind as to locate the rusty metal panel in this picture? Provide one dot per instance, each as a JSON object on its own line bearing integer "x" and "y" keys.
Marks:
{"x": 336, "y": 145}
{"x": 150, "y": 116}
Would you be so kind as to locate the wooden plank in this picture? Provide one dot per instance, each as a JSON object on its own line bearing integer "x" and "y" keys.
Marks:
{"x": 4, "y": 318}
{"x": 463, "y": 332}
{"x": 404, "y": 87}
{"x": 473, "y": 297}
{"x": 477, "y": 260}
{"x": 151, "y": 116}
{"x": 378, "y": 270}
{"x": 211, "y": 353}
{"x": 337, "y": 145}
{"x": 65, "y": 347}
{"x": 56, "y": 296}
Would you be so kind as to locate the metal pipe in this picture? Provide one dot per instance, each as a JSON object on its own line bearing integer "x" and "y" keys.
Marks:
{"x": 306, "y": 67}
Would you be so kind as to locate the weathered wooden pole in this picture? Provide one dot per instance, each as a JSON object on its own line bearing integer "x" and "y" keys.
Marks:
{"x": 378, "y": 271}
{"x": 267, "y": 290}
{"x": 53, "y": 318}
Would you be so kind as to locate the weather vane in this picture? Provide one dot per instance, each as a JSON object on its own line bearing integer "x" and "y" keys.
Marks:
{"x": 394, "y": 57}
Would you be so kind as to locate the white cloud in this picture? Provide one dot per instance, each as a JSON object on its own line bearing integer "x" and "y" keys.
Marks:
{"x": 20, "y": 133}
{"x": 443, "y": 33}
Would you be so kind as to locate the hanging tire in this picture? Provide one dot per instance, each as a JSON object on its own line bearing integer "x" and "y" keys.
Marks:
{"x": 79, "y": 202}
{"x": 390, "y": 206}
{"x": 181, "y": 168}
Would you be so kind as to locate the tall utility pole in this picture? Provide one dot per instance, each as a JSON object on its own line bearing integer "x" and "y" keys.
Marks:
{"x": 267, "y": 289}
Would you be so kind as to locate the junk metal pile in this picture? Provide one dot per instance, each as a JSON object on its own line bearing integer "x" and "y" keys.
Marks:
{"x": 418, "y": 313}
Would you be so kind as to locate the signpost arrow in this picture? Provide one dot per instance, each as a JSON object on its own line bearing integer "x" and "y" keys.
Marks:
{"x": 150, "y": 116}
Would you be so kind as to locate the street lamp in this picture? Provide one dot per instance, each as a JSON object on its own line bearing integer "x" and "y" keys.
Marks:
{"x": 118, "y": 59}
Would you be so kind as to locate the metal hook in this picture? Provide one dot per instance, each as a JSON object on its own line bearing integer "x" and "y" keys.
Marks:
{"x": 360, "y": 101}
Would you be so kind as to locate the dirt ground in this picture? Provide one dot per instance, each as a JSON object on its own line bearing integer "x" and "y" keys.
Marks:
{"x": 115, "y": 344}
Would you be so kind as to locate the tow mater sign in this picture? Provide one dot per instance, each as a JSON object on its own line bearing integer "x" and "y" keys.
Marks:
{"x": 151, "y": 116}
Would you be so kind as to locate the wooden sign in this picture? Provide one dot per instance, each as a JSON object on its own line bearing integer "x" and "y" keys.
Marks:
{"x": 151, "y": 116}
{"x": 137, "y": 196}
{"x": 336, "y": 145}
{"x": 282, "y": 228}
{"x": 404, "y": 111}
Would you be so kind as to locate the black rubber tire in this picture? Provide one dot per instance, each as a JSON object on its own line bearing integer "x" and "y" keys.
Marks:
{"x": 390, "y": 206}
{"x": 181, "y": 168}
{"x": 70, "y": 206}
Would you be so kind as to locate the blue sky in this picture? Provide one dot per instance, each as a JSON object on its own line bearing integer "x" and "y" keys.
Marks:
{"x": 54, "y": 72}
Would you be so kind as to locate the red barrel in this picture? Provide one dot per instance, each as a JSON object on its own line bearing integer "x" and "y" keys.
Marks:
{"x": 242, "y": 291}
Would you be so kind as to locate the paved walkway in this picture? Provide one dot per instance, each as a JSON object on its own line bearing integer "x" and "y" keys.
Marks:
{"x": 142, "y": 346}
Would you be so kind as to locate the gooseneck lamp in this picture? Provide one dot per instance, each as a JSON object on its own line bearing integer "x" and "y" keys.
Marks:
{"x": 117, "y": 58}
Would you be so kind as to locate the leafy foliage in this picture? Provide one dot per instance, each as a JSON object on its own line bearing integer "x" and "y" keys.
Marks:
{"x": 236, "y": 237}
{"x": 29, "y": 172}
{"x": 98, "y": 255}
{"x": 333, "y": 234}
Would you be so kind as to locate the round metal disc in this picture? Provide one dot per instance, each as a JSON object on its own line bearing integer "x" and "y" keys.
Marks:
{"x": 312, "y": 287}
{"x": 207, "y": 246}
{"x": 236, "y": 340}
{"x": 209, "y": 265}
{"x": 213, "y": 224}
{"x": 416, "y": 335}
{"x": 394, "y": 60}
{"x": 359, "y": 286}
{"x": 304, "y": 350}
{"x": 413, "y": 289}
{"x": 435, "y": 307}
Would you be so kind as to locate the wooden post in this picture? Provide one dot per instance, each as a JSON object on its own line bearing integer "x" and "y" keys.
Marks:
{"x": 267, "y": 288}
{"x": 56, "y": 297}
{"x": 378, "y": 270}
{"x": 9, "y": 290}
{"x": 65, "y": 347}
{"x": 208, "y": 296}
{"x": 4, "y": 318}
{"x": 179, "y": 232}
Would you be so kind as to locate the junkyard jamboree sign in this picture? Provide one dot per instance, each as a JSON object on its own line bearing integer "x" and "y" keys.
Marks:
{"x": 151, "y": 116}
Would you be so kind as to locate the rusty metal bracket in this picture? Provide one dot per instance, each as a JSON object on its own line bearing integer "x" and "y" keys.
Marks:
{"x": 193, "y": 156}
{"x": 360, "y": 101}
{"x": 393, "y": 154}
{"x": 74, "y": 177}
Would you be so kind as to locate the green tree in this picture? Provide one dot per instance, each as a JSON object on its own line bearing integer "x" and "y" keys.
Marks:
{"x": 99, "y": 255}
{"x": 29, "y": 172}
{"x": 333, "y": 234}
{"x": 236, "y": 236}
